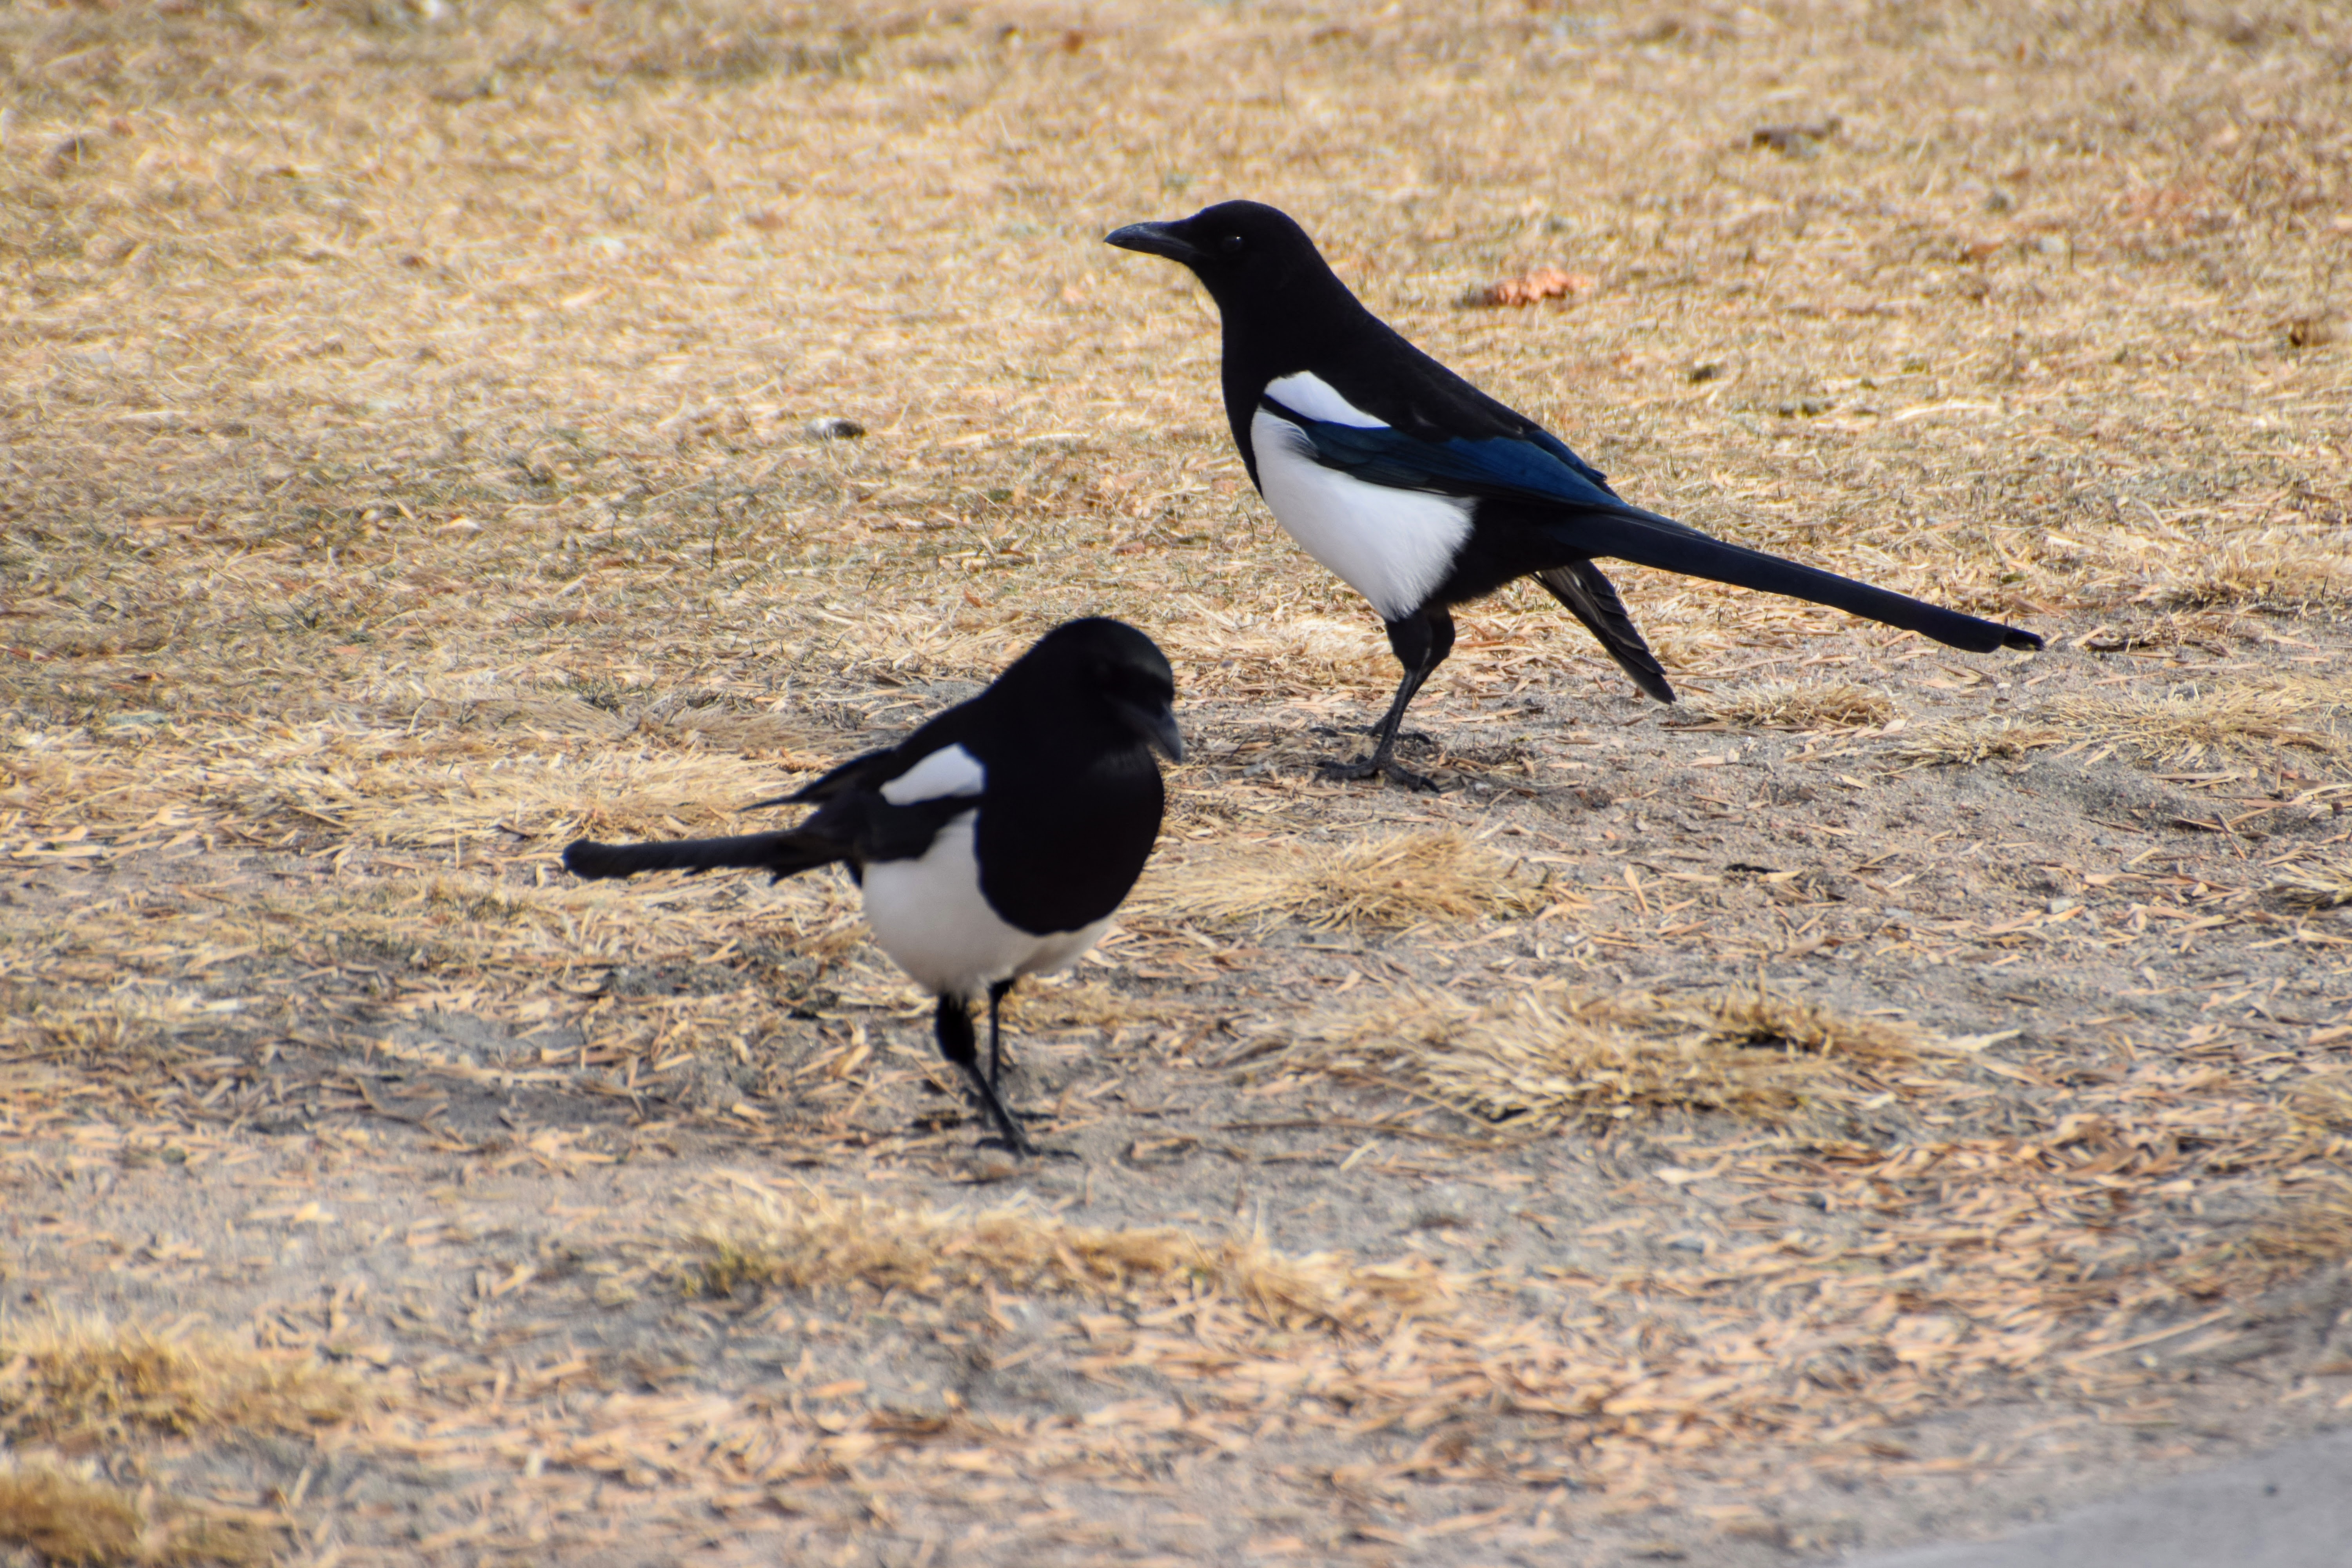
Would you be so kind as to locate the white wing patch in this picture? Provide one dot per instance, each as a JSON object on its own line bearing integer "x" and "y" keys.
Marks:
{"x": 950, "y": 771}
{"x": 1308, "y": 394}
{"x": 1392, "y": 546}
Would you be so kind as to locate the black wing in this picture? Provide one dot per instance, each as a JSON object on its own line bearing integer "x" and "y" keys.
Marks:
{"x": 1587, "y": 520}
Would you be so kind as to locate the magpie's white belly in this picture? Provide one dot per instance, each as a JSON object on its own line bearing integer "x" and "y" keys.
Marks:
{"x": 930, "y": 916}
{"x": 1394, "y": 547}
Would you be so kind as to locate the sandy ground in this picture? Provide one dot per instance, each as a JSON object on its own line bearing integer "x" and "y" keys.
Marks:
{"x": 1887, "y": 1096}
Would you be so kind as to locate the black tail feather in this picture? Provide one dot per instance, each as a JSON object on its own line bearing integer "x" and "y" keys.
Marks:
{"x": 1592, "y": 599}
{"x": 1672, "y": 547}
{"x": 780, "y": 854}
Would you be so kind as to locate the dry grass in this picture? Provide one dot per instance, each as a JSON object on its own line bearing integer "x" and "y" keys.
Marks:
{"x": 1383, "y": 880}
{"x": 89, "y": 1384}
{"x": 1549, "y": 1057}
{"x": 2278, "y": 571}
{"x": 405, "y": 432}
{"x": 2317, "y": 884}
{"x": 2198, "y": 725}
{"x": 805, "y": 1239}
{"x": 79, "y": 1523}
{"x": 2191, "y": 726}
{"x": 1797, "y": 705}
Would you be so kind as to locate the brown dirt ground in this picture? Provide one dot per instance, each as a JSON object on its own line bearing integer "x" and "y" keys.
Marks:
{"x": 1884, "y": 1096}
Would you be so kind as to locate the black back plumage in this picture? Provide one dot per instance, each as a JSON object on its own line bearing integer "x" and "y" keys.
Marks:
{"x": 1068, "y": 815}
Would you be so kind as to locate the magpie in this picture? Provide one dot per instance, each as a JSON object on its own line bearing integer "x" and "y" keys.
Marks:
{"x": 992, "y": 843}
{"x": 1421, "y": 492}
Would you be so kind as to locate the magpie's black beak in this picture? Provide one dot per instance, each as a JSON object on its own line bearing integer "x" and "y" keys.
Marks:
{"x": 1157, "y": 725}
{"x": 1156, "y": 239}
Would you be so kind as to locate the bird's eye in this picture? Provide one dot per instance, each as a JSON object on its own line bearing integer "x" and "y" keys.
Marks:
{"x": 1232, "y": 245}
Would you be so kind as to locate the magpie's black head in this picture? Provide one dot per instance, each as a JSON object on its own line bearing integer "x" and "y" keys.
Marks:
{"x": 1246, "y": 253}
{"x": 1113, "y": 673}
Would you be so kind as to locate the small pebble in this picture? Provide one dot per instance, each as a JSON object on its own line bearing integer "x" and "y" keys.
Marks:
{"x": 834, "y": 427}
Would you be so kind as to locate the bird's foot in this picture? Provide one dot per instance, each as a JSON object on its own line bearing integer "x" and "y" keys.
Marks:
{"x": 1024, "y": 1148}
{"x": 1012, "y": 1141}
{"x": 1373, "y": 766}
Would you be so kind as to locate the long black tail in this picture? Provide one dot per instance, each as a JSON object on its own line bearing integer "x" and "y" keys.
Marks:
{"x": 780, "y": 854}
{"x": 1592, "y": 599}
{"x": 1649, "y": 540}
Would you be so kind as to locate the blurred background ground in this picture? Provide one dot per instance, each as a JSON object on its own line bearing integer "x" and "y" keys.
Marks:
{"x": 1889, "y": 1094}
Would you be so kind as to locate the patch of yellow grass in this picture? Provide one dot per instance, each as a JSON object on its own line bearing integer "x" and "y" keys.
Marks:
{"x": 1283, "y": 652}
{"x": 804, "y": 1239}
{"x": 94, "y": 1384}
{"x": 1401, "y": 878}
{"x": 2281, "y": 571}
{"x": 1798, "y": 705}
{"x": 2322, "y": 885}
{"x": 2187, "y": 726}
{"x": 1546, "y": 1058}
{"x": 65, "y": 1521}
{"x": 1966, "y": 740}
{"x": 2190, "y": 725}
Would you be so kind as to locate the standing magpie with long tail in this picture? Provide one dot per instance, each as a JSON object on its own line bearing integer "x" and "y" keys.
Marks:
{"x": 992, "y": 843}
{"x": 1422, "y": 493}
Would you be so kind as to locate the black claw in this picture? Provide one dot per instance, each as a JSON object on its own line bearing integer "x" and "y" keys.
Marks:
{"x": 1394, "y": 772}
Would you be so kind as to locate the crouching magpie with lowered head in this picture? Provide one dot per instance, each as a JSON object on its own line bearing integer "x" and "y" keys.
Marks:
{"x": 1422, "y": 493}
{"x": 992, "y": 843}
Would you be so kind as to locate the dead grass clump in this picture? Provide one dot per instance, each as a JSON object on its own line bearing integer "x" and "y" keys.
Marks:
{"x": 2189, "y": 726}
{"x": 805, "y": 1239}
{"x": 2186, "y": 726}
{"x": 2280, "y": 571}
{"x": 1546, "y": 1058}
{"x": 94, "y": 1384}
{"x": 377, "y": 787}
{"x": 1798, "y": 705}
{"x": 1965, "y": 741}
{"x": 1301, "y": 653}
{"x": 1391, "y": 879}
{"x": 2212, "y": 630}
{"x": 1759, "y": 1020}
{"x": 2326, "y": 885}
{"x": 66, "y": 1520}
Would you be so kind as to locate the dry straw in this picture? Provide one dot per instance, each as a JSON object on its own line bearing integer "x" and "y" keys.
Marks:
{"x": 63, "y": 1520}
{"x": 94, "y": 1384}
{"x": 2279, "y": 571}
{"x": 1384, "y": 879}
{"x": 1798, "y": 705}
{"x": 1543, "y": 1058}
{"x": 2319, "y": 884}
{"x": 2187, "y": 726}
{"x": 803, "y": 1239}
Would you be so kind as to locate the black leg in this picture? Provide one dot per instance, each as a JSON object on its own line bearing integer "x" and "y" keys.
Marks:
{"x": 1421, "y": 642}
{"x": 957, "y": 1043}
{"x": 996, "y": 994}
